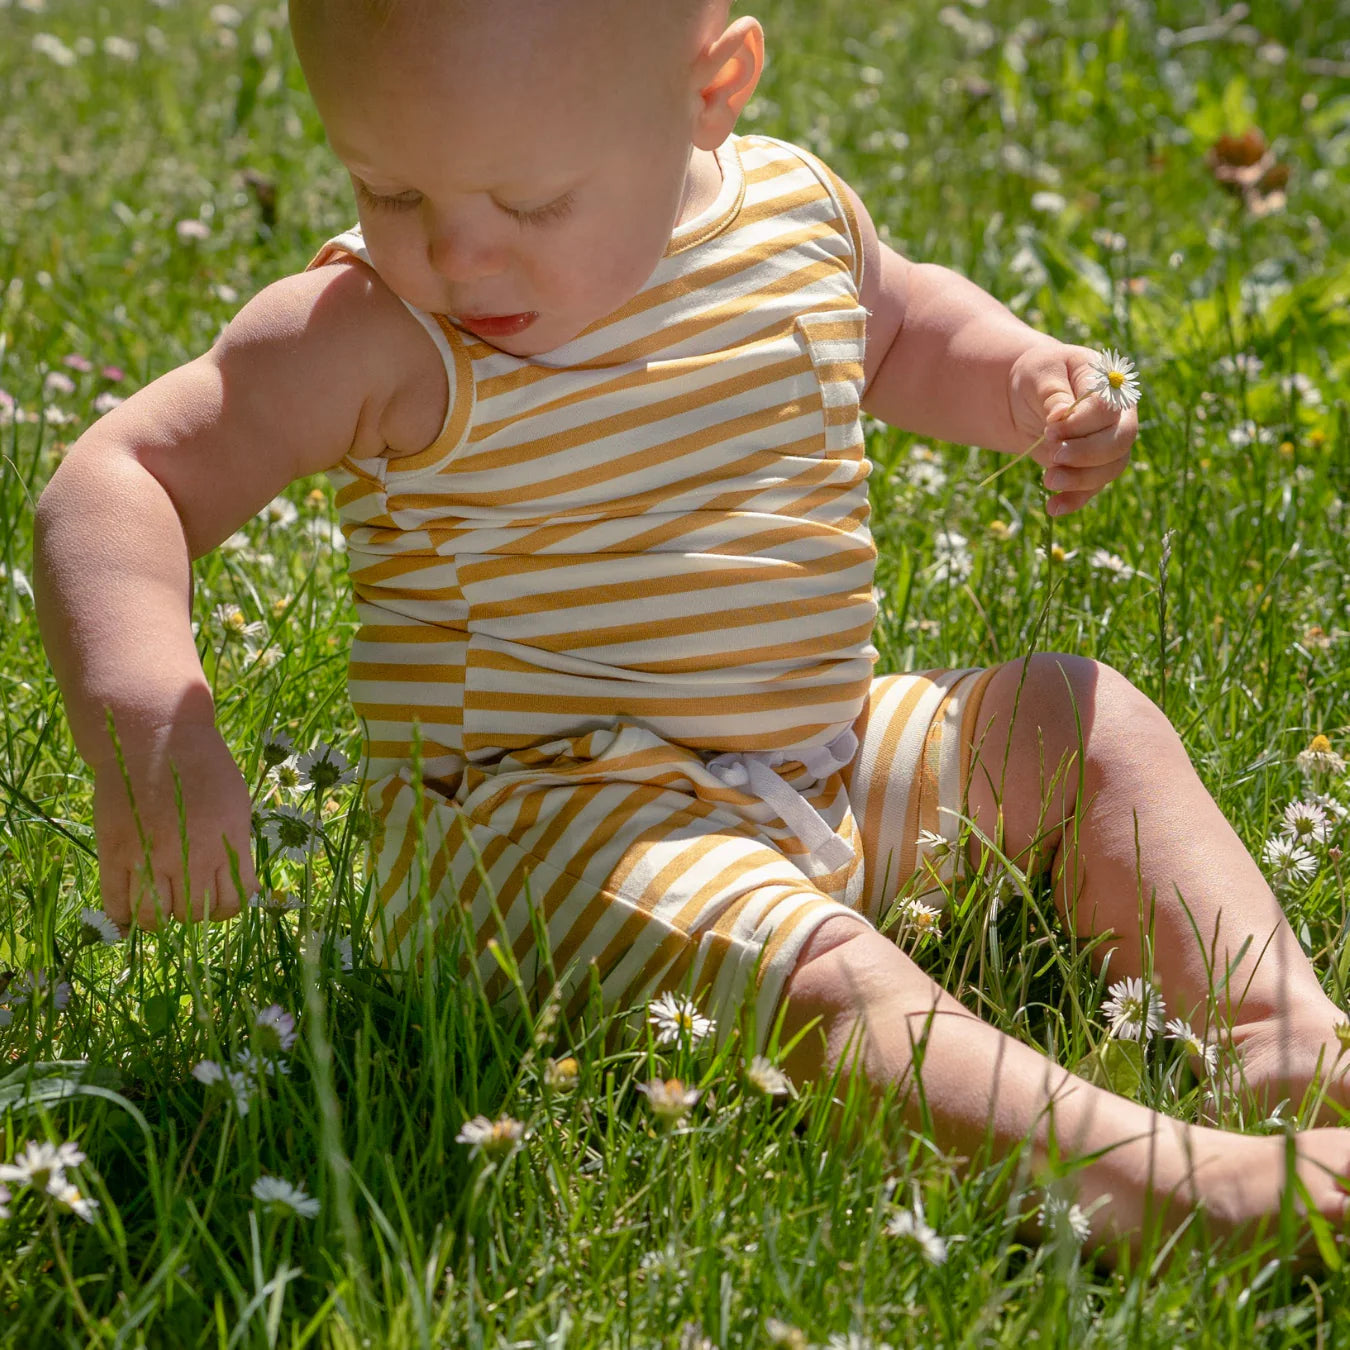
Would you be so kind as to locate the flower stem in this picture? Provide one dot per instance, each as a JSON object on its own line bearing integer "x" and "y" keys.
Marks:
{"x": 1035, "y": 445}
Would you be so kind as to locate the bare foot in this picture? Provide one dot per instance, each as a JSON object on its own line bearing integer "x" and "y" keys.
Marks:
{"x": 1300, "y": 1059}
{"x": 1236, "y": 1183}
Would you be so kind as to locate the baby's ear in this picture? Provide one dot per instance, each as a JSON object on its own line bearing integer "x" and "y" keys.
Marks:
{"x": 727, "y": 72}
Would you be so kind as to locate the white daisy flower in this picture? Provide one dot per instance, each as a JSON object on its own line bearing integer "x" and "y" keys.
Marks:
{"x": 233, "y": 622}
{"x": 1288, "y": 860}
{"x": 1115, "y": 380}
{"x": 230, "y": 1083}
{"x": 1059, "y": 1215}
{"x": 1319, "y": 757}
{"x": 1194, "y": 1044}
{"x": 280, "y": 511}
{"x": 1106, "y": 561}
{"x": 286, "y": 776}
{"x": 5, "y": 1198}
{"x": 674, "y": 1017}
{"x": 289, "y": 833}
{"x": 1306, "y": 821}
{"x": 1132, "y": 1010}
{"x": 325, "y": 767}
{"x": 934, "y": 847}
{"x": 767, "y": 1077}
{"x": 280, "y": 1196}
{"x": 669, "y": 1100}
{"x": 276, "y": 1029}
{"x": 37, "y": 985}
{"x": 17, "y": 580}
{"x": 253, "y": 1065}
{"x": 69, "y": 1195}
{"x": 276, "y": 747}
{"x": 560, "y": 1075}
{"x": 919, "y": 917}
{"x": 910, "y": 1224}
{"x": 495, "y": 1138}
{"x": 952, "y": 559}
{"x": 100, "y": 926}
{"x": 41, "y": 1165}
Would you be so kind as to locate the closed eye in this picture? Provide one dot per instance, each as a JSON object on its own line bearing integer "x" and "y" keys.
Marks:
{"x": 402, "y": 201}
{"x": 542, "y": 215}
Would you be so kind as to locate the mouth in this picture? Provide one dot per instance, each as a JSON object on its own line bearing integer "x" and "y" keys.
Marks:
{"x": 496, "y": 325}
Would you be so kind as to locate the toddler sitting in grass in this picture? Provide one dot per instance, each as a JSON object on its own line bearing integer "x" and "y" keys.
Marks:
{"x": 588, "y": 381}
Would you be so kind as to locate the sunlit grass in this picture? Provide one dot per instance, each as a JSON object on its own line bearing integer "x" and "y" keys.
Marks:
{"x": 1056, "y": 155}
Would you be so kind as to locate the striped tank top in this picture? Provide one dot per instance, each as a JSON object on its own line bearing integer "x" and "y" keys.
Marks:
{"x": 663, "y": 522}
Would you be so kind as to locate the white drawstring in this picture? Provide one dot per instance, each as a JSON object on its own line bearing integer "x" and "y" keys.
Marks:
{"x": 754, "y": 773}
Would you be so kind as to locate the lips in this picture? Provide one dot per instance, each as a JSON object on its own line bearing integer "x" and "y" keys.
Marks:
{"x": 496, "y": 325}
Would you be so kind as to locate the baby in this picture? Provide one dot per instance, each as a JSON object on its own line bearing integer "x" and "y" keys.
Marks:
{"x": 588, "y": 380}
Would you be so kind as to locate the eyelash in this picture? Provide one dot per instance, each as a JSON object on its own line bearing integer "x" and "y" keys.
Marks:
{"x": 540, "y": 215}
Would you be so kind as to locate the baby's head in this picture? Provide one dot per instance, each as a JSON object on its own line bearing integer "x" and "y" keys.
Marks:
{"x": 525, "y": 160}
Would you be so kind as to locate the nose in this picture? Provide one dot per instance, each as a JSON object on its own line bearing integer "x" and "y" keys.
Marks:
{"x": 462, "y": 252}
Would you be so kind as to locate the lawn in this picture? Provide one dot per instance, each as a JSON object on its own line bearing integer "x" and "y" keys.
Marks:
{"x": 1160, "y": 178}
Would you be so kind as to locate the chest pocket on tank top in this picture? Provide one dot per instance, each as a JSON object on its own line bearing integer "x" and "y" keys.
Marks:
{"x": 835, "y": 340}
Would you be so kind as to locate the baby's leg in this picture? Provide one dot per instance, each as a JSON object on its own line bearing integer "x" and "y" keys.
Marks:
{"x": 1147, "y": 846}
{"x": 977, "y": 1086}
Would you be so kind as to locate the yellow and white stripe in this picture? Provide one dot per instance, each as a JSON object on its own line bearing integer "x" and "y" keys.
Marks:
{"x": 619, "y": 560}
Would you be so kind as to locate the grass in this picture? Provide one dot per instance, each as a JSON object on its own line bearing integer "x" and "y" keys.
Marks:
{"x": 1055, "y": 153}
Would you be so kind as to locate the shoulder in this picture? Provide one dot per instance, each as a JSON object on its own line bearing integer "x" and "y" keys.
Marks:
{"x": 347, "y": 336}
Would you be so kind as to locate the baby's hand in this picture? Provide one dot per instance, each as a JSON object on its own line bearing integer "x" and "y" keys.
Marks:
{"x": 216, "y": 811}
{"x": 1084, "y": 447}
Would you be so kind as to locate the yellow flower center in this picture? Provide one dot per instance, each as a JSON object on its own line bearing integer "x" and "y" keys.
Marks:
{"x": 1320, "y": 745}
{"x": 1115, "y": 379}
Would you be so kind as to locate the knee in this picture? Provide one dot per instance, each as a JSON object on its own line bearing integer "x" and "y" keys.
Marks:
{"x": 1091, "y": 709}
{"x": 845, "y": 972}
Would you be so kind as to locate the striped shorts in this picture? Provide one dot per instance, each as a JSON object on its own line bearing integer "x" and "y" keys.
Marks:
{"x": 640, "y": 862}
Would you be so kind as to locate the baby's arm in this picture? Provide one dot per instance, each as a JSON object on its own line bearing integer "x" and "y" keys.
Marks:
{"x": 315, "y": 365}
{"x": 945, "y": 359}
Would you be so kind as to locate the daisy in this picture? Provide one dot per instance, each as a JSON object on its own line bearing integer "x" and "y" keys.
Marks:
{"x": 785, "y": 1334}
{"x": 673, "y": 1017}
{"x": 276, "y": 1029}
{"x": 69, "y": 1195}
{"x": 1306, "y": 821}
{"x": 952, "y": 559}
{"x": 279, "y": 511}
{"x": 253, "y": 1065}
{"x": 106, "y": 401}
{"x": 99, "y": 926}
{"x": 496, "y": 1138}
{"x": 280, "y": 1195}
{"x": 1133, "y": 1012}
{"x": 1180, "y": 1030}
{"x": 560, "y": 1075}
{"x": 324, "y": 768}
{"x": 765, "y": 1075}
{"x": 1058, "y": 553}
{"x": 1319, "y": 757}
{"x": 1115, "y": 380}
{"x": 1289, "y": 862}
{"x": 1105, "y": 561}
{"x": 911, "y": 1225}
{"x": 289, "y": 834}
{"x": 670, "y": 1100}
{"x": 41, "y": 1165}
{"x": 5, "y": 1198}
{"x": 37, "y": 984}
{"x": 286, "y": 776}
{"x": 934, "y": 847}
{"x": 233, "y": 622}
{"x": 229, "y": 1082}
{"x": 1059, "y": 1215}
{"x": 276, "y": 746}
{"x": 921, "y": 918}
